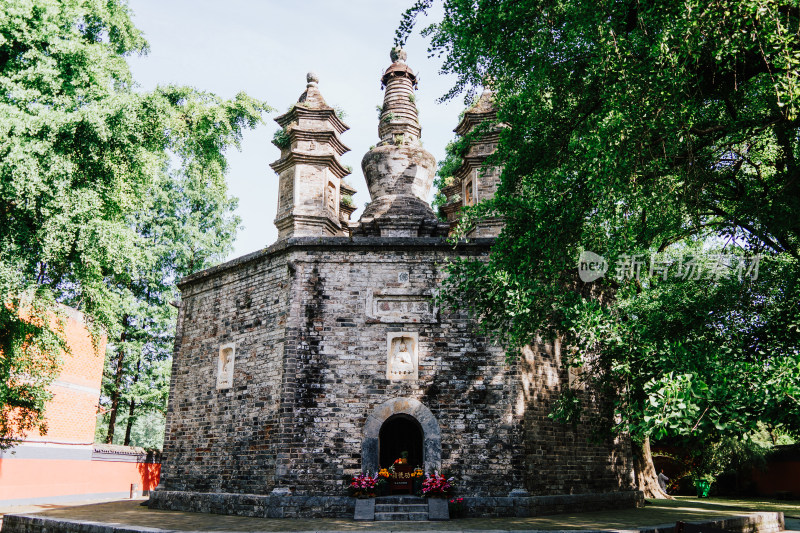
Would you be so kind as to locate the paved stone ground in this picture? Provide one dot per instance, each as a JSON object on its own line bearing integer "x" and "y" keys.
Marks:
{"x": 40, "y": 507}
{"x": 130, "y": 512}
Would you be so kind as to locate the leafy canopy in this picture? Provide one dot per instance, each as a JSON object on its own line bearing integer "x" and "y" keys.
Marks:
{"x": 84, "y": 163}
{"x": 641, "y": 127}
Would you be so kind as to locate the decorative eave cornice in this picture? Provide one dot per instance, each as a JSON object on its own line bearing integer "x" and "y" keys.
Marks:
{"x": 348, "y": 209}
{"x": 470, "y": 162}
{"x": 344, "y": 188}
{"x": 296, "y": 157}
{"x": 472, "y": 120}
{"x": 492, "y": 135}
{"x": 325, "y": 136}
{"x": 323, "y": 114}
{"x": 451, "y": 208}
{"x": 450, "y": 190}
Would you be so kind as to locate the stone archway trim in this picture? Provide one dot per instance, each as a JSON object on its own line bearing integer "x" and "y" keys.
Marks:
{"x": 431, "y": 435}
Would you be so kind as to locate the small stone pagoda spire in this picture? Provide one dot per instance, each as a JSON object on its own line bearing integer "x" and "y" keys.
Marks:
{"x": 309, "y": 169}
{"x": 399, "y": 171}
{"x": 473, "y": 182}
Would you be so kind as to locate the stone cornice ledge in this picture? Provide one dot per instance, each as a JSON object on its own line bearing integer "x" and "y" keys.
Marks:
{"x": 478, "y": 245}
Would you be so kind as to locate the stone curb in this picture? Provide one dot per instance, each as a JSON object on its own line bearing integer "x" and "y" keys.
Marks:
{"x": 22, "y": 523}
{"x": 40, "y": 524}
{"x": 764, "y": 522}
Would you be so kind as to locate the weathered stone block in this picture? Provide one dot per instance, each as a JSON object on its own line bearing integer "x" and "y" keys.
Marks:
{"x": 365, "y": 509}
{"x": 437, "y": 509}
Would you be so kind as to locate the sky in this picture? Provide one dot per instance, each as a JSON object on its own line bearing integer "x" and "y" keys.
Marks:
{"x": 265, "y": 48}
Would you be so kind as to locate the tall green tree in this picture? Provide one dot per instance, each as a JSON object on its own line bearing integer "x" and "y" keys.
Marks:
{"x": 642, "y": 127}
{"x": 188, "y": 226}
{"x": 94, "y": 178}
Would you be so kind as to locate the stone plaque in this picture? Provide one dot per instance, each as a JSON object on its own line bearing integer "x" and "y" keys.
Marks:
{"x": 402, "y": 361}
{"x": 393, "y": 306}
{"x": 227, "y": 354}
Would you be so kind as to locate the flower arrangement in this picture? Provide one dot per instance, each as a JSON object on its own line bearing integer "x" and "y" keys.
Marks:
{"x": 456, "y": 507}
{"x": 383, "y": 473}
{"x": 363, "y": 485}
{"x": 437, "y": 485}
{"x": 403, "y": 459}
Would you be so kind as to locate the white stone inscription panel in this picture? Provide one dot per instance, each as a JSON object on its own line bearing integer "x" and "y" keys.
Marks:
{"x": 398, "y": 305}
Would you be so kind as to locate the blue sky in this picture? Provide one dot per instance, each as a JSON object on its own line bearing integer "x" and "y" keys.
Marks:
{"x": 265, "y": 48}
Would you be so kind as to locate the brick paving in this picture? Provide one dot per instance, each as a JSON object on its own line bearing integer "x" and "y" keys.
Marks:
{"x": 131, "y": 513}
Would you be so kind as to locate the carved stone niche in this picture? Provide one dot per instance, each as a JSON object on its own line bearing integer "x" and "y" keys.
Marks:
{"x": 402, "y": 358}
{"x": 227, "y": 354}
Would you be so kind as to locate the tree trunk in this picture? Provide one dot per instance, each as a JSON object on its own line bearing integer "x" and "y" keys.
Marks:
{"x": 129, "y": 425}
{"x": 133, "y": 406}
{"x": 646, "y": 477}
{"x": 117, "y": 392}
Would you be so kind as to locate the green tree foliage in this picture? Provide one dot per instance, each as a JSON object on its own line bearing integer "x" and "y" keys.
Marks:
{"x": 147, "y": 430}
{"x": 637, "y": 128}
{"x": 444, "y": 173}
{"x": 187, "y": 227}
{"x": 453, "y": 158}
{"x": 107, "y": 194}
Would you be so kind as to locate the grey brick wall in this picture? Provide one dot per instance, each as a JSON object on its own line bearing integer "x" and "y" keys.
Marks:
{"x": 310, "y": 319}
{"x": 222, "y": 440}
{"x": 559, "y": 458}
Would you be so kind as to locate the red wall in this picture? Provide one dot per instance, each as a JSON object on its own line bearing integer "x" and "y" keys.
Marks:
{"x": 42, "y": 478}
{"x": 59, "y": 463}
{"x": 72, "y": 413}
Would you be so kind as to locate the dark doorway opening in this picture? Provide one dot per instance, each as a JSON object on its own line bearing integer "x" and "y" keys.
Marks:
{"x": 400, "y": 433}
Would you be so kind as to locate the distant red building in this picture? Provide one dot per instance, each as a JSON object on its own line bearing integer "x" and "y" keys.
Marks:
{"x": 65, "y": 463}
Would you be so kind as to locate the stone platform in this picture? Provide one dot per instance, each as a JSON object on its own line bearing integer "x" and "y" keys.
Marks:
{"x": 275, "y": 506}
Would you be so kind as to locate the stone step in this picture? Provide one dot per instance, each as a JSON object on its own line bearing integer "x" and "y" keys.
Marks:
{"x": 401, "y": 499}
{"x": 400, "y": 517}
{"x": 401, "y": 508}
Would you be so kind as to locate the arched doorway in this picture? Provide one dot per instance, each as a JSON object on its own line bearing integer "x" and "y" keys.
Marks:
{"x": 417, "y": 413}
{"x": 400, "y": 433}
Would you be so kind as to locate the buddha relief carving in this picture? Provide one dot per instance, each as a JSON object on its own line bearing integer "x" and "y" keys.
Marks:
{"x": 227, "y": 353}
{"x": 403, "y": 358}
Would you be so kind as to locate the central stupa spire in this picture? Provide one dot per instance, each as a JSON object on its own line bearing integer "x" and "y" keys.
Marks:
{"x": 399, "y": 111}
{"x": 399, "y": 171}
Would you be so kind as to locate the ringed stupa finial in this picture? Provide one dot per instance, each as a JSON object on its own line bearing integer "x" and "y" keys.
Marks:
{"x": 398, "y": 54}
{"x": 398, "y": 170}
{"x": 312, "y": 79}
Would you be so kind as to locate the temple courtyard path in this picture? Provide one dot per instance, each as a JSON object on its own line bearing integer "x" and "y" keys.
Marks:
{"x": 131, "y": 513}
